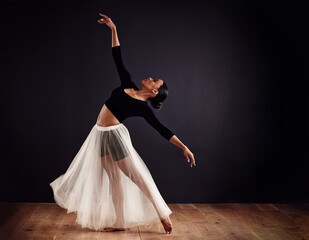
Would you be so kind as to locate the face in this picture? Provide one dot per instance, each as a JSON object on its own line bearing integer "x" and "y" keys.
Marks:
{"x": 151, "y": 83}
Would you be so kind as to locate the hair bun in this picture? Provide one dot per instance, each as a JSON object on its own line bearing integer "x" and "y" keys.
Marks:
{"x": 156, "y": 102}
{"x": 156, "y": 105}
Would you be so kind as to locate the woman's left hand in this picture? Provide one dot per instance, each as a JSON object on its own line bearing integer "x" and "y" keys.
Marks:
{"x": 188, "y": 154}
{"x": 107, "y": 20}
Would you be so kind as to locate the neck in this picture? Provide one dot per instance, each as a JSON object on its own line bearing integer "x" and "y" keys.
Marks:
{"x": 143, "y": 94}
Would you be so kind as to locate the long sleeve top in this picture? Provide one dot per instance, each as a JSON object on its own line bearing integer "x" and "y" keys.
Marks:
{"x": 123, "y": 105}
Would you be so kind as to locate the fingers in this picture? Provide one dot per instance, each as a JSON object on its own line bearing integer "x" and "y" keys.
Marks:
{"x": 187, "y": 158}
{"x": 101, "y": 21}
{"x": 105, "y": 19}
{"x": 103, "y": 15}
{"x": 188, "y": 155}
{"x": 192, "y": 160}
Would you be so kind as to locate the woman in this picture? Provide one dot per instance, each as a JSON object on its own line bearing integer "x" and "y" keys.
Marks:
{"x": 107, "y": 183}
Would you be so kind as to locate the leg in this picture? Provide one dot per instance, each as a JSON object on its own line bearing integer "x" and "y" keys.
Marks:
{"x": 128, "y": 168}
{"x": 114, "y": 176}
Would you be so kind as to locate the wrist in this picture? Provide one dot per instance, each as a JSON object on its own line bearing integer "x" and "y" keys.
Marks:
{"x": 183, "y": 147}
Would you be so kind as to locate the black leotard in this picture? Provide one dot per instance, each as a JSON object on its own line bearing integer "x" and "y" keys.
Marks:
{"x": 123, "y": 105}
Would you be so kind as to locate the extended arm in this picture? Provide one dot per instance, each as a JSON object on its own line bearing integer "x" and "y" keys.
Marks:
{"x": 156, "y": 124}
{"x": 186, "y": 151}
{"x": 168, "y": 135}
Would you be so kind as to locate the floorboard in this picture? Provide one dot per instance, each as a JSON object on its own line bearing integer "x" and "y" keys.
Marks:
{"x": 222, "y": 221}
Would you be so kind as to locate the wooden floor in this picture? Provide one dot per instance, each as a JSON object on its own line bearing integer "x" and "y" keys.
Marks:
{"x": 41, "y": 221}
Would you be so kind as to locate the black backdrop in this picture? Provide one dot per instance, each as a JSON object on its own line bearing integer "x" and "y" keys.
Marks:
{"x": 238, "y": 94}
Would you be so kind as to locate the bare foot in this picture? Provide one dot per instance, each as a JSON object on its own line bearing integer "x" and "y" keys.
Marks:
{"x": 167, "y": 224}
{"x": 111, "y": 229}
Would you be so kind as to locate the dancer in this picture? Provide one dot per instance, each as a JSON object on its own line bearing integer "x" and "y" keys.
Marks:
{"x": 108, "y": 184}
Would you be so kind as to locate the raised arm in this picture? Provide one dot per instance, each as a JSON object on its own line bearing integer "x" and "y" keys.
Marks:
{"x": 115, "y": 40}
{"x": 108, "y": 21}
{"x": 124, "y": 75}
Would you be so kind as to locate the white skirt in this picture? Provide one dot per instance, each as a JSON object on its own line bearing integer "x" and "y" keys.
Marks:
{"x": 108, "y": 184}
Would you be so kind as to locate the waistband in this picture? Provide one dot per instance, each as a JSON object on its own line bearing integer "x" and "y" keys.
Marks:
{"x": 108, "y": 127}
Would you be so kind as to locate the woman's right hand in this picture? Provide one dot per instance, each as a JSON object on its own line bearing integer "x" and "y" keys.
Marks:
{"x": 106, "y": 20}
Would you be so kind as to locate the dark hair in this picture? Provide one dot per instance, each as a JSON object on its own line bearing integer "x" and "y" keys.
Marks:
{"x": 156, "y": 102}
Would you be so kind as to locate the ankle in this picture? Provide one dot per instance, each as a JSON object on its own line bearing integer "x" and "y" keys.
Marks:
{"x": 167, "y": 219}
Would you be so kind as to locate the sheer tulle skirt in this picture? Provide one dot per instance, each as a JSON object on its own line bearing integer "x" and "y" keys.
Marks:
{"x": 108, "y": 184}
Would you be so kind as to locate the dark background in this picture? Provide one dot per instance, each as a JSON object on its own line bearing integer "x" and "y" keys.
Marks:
{"x": 238, "y": 94}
